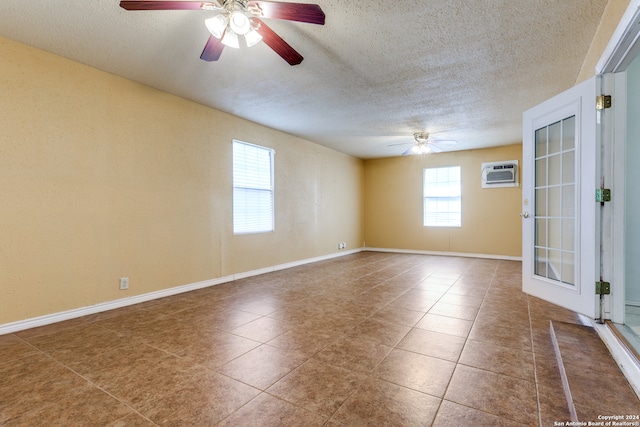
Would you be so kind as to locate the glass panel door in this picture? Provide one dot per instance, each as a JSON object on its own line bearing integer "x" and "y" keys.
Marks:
{"x": 555, "y": 201}
{"x": 559, "y": 257}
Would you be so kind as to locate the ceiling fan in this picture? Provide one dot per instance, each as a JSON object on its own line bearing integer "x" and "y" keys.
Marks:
{"x": 240, "y": 19}
{"x": 423, "y": 144}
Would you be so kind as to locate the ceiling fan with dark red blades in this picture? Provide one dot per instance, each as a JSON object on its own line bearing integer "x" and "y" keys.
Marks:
{"x": 241, "y": 20}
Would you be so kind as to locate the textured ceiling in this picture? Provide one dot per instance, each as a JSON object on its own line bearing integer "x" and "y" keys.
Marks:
{"x": 376, "y": 72}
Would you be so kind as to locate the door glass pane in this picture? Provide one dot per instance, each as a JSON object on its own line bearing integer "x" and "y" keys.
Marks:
{"x": 554, "y": 202}
{"x": 568, "y": 201}
{"x": 555, "y": 233}
{"x": 568, "y": 273}
{"x": 568, "y": 167}
{"x": 541, "y": 202}
{"x": 541, "y": 232}
{"x": 555, "y": 138}
{"x": 541, "y": 142}
{"x": 569, "y": 133}
{"x": 555, "y": 222}
{"x": 541, "y": 171}
{"x": 540, "y": 262}
{"x": 555, "y": 169}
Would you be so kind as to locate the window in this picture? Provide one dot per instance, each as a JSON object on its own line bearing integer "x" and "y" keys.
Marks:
{"x": 442, "y": 202}
{"x": 252, "y": 188}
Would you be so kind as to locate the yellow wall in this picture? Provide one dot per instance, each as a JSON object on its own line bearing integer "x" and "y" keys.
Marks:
{"x": 393, "y": 205}
{"x": 608, "y": 23}
{"x": 102, "y": 178}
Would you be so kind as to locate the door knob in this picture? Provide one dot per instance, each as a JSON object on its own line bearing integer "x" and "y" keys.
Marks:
{"x": 524, "y": 214}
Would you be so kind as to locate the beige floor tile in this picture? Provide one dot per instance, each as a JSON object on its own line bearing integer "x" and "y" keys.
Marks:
{"x": 451, "y": 414}
{"x": 304, "y": 340}
{"x": 263, "y": 329}
{"x": 262, "y": 366}
{"x": 434, "y": 344}
{"x": 415, "y": 300}
{"x": 205, "y": 399}
{"x": 217, "y": 348}
{"x": 84, "y": 405}
{"x": 364, "y": 339}
{"x": 266, "y": 410}
{"x": 387, "y": 333}
{"x": 318, "y": 387}
{"x": 379, "y": 403}
{"x": 445, "y": 325}
{"x": 398, "y": 315}
{"x": 500, "y": 395}
{"x": 360, "y": 354}
{"x": 454, "y": 310}
{"x": 416, "y": 371}
{"x": 498, "y": 359}
{"x": 504, "y": 335}
{"x": 12, "y": 347}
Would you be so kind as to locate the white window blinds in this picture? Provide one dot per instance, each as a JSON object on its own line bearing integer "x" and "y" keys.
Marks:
{"x": 442, "y": 201}
{"x": 252, "y": 188}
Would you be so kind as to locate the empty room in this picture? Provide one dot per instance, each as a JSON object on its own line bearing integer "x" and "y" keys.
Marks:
{"x": 264, "y": 213}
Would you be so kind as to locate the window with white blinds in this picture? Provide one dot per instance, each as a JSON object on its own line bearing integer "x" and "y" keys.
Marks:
{"x": 442, "y": 200}
{"x": 252, "y": 188}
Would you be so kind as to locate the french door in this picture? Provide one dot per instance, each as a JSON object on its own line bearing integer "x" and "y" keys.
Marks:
{"x": 559, "y": 236}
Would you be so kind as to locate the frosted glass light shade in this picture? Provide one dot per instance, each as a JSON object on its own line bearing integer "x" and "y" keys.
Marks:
{"x": 421, "y": 149}
{"x": 216, "y": 25}
{"x": 230, "y": 39}
{"x": 239, "y": 23}
{"x": 252, "y": 37}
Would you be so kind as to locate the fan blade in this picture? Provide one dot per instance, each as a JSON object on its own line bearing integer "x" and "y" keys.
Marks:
{"x": 408, "y": 152}
{"x": 276, "y": 43}
{"x": 435, "y": 149}
{"x": 301, "y": 12}
{"x": 169, "y": 5}
{"x": 443, "y": 141}
{"x": 212, "y": 50}
{"x": 400, "y": 143}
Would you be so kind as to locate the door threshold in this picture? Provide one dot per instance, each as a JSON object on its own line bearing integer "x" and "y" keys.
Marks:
{"x": 627, "y": 359}
{"x": 624, "y": 339}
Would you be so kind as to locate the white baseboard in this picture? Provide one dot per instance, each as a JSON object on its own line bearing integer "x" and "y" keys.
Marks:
{"x": 456, "y": 254}
{"x": 48, "y": 319}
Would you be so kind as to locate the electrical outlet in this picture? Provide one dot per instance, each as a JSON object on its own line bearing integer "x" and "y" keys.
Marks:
{"x": 124, "y": 283}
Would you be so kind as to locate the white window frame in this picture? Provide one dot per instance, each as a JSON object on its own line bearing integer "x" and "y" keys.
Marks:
{"x": 253, "y": 188}
{"x": 442, "y": 197}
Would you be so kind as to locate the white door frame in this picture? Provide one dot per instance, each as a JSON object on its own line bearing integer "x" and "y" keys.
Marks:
{"x": 622, "y": 49}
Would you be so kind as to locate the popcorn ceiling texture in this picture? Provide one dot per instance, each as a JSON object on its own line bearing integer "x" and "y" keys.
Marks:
{"x": 374, "y": 74}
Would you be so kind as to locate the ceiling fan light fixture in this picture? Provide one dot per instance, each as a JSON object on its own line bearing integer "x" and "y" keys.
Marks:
{"x": 239, "y": 23}
{"x": 421, "y": 137}
{"x": 252, "y": 37}
{"x": 230, "y": 39}
{"x": 421, "y": 148}
{"x": 216, "y": 25}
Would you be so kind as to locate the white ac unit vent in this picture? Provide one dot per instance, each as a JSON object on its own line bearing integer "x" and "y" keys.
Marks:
{"x": 500, "y": 174}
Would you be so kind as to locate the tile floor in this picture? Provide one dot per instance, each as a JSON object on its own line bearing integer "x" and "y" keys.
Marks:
{"x": 371, "y": 339}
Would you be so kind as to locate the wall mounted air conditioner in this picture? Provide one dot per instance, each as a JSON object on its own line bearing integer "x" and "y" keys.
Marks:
{"x": 500, "y": 174}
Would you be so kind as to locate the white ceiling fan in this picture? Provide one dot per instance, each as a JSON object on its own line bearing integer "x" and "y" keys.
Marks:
{"x": 423, "y": 144}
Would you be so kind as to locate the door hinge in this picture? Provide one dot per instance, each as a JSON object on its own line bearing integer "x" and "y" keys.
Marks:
{"x": 603, "y": 101}
{"x": 603, "y": 288}
{"x": 603, "y": 195}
